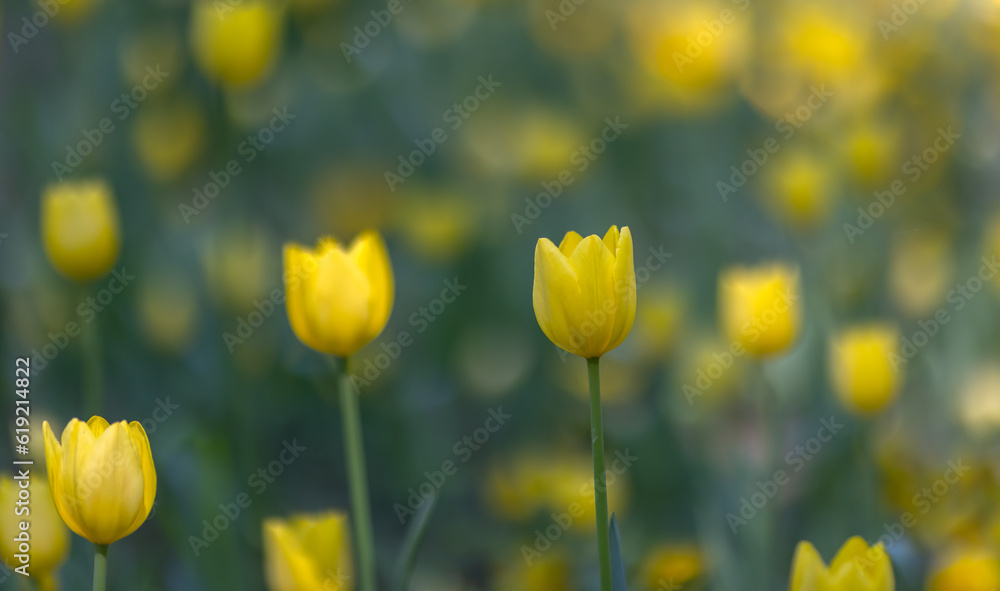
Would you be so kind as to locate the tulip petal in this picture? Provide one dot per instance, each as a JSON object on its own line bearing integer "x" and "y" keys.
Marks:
{"x": 808, "y": 569}
{"x": 53, "y": 465}
{"x": 64, "y": 483}
{"x": 369, "y": 253}
{"x": 287, "y": 567}
{"x": 555, "y": 284}
{"x": 569, "y": 243}
{"x": 611, "y": 238}
{"x": 336, "y": 303}
{"x": 624, "y": 287}
{"x": 97, "y": 425}
{"x": 110, "y": 485}
{"x": 299, "y": 264}
{"x": 593, "y": 314}
{"x": 140, "y": 443}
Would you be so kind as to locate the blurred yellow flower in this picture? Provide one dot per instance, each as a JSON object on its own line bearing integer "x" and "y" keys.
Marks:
{"x": 308, "y": 552}
{"x": 872, "y": 152}
{"x": 979, "y": 401}
{"x": 973, "y": 569}
{"x": 584, "y": 291}
{"x": 865, "y": 378}
{"x": 102, "y": 476}
{"x": 920, "y": 269}
{"x": 439, "y": 228}
{"x": 49, "y": 538}
{"x": 240, "y": 265}
{"x": 548, "y": 572}
{"x": 759, "y": 307}
{"x": 800, "y": 190}
{"x": 169, "y": 136}
{"x": 663, "y": 309}
{"x": 236, "y": 43}
{"x": 168, "y": 310}
{"x": 80, "y": 228}
{"x": 669, "y": 566}
{"x": 855, "y": 568}
{"x": 339, "y": 299}
{"x": 822, "y": 41}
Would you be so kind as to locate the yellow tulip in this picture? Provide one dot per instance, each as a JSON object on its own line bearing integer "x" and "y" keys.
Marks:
{"x": 584, "y": 291}
{"x": 102, "y": 476}
{"x": 238, "y": 43}
{"x": 80, "y": 228}
{"x": 759, "y": 308}
{"x": 861, "y": 367}
{"x": 670, "y": 565}
{"x": 969, "y": 570}
{"x": 855, "y": 568}
{"x": 339, "y": 299}
{"x": 308, "y": 552}
{"x": 49, "y": 538}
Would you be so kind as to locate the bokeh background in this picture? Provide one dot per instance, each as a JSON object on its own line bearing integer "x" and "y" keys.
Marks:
{"x": 589, "y": 113}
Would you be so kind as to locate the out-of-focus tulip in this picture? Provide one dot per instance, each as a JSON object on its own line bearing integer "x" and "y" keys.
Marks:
{"x": 800, "y": 190}
{"x": 709, "y": 375}
{"x": 979, "y": 401}
{"x": 80, "y": 228}
{"x": 584, "y": 291}
{"x": 662, "y": 309}
{"x": 49, "y": 537}
{"x": 240, "y": 265}
{"x": 855, "y": 568}
{"x": 236, "y": 44}
{"x": 871, "y": 151}
{"x": 864, "y": 376}
{"x": 920, "y": 270}
{"x": 339, "y": 299}
{"x": 308, "y": 552}
{"x": 102, "y": 476}
{"x": 168, "y": 310}
{"x": 548, "y": 571}
{"x": 972, "y": 569}
{"x": 671, "y": 566}
{"x": 168, "y": 137}
{"x": 439, "y": 228}
{"x": 759, "y": 307}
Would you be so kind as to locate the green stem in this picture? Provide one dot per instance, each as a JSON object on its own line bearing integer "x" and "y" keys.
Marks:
{"x": 358, "y": 477}
{"x": 100, "y": 566}
{"x": 92, "y": 372}
{"x": 600, "y": 480}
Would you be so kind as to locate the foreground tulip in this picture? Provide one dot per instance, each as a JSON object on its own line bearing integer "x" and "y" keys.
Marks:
{"x": 80, "y": 228}
{"x": 339, "y": 299}
{"x": 862, "y": 370}
{"x": 236, "y": 43}
{"x": 584, "y": 291}
{"x": 308, "y": 552}
{"x": 103, "y": 481}
{"x": 855, "y": 568}
{"x": 584, "y": 300}
{"x": 49, "y": 538}
{"x": 758, "y": 307}
{"x": 972, "y": 569}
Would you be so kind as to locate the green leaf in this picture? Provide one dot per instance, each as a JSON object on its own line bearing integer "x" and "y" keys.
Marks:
{"x": 617, "y": 564}
{"x": 411, "y": 543}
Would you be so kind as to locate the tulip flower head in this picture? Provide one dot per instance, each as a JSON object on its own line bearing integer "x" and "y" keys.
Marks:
{"x": 584, "y": 291}
{"x": 759, "y": 308}
{"x": 80, "y": 228}
{"x": 102, "y": 477}
{"x": 972, "y": 569}
{"x": 339, "y": 299}
{"x": 236, "y": 44}
{"x": 308, "y": 552}
{"x": 862, "y": 370}
{"x": 857, "y": 567}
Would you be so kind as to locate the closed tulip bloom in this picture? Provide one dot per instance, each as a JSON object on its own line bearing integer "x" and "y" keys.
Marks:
{"x": 339, "y": 299}
{"x": 855, "y": 568}
{"x": 237, "y": 44}
{"x": 80, "y": 228}
{"x": 584, "y": 291}
{"x": 973, "y": 569}
{"x": 759, "y": 308}
{"x": 308, "y": 552}
{"x": 102, "y": 477}
{"x": 49, "y": 537}
{"x": 861, "y": 367}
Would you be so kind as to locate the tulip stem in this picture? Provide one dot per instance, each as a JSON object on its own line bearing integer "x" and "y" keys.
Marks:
{"x": 100, "y": 566}
{"x": 358, "y": 477}
{"x": 92, "y": 373}
{"x": 600, "y": 479}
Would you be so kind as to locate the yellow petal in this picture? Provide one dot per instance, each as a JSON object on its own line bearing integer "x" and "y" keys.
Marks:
{"x": 337, "y": 297}
{"x": 299, "y": 264}
{"x": 80, "y": 228}
{"x": 569, "y": 243}
{"x": 97, "y": 425}
{"x": 140, "y": 443}
{"x": 611, "y": 238}
{"x": 287, "y": 567}
{"x": 369, "y": 253}
{"x": 808, "y": 569}
{"x": 108, "y": 482}
{"x": 63, "y": 481}
{"x": 624, "y": 286}
{"x": 591, "y": 316}
{"x": 554, "y": 284}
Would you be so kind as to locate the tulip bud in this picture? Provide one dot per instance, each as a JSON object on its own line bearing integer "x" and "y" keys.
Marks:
{"x": 339, "y": 299}
{"x": 855, "y": 568}
{"x": 102, "y": 477}
{"x": 759, "y": 307}
{"x": 49, "y": 538}
{"x": 308, "y": 552}
{"x": 80, "y": 228}
{"x": 862, "y": 369}
{"x": 236, "y": 43}
{"x": 584, "y": 291}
